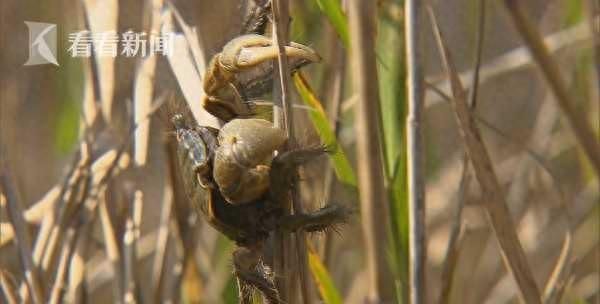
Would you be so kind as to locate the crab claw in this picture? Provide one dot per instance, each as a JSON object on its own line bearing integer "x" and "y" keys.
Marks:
{"x": 251, "y": 50}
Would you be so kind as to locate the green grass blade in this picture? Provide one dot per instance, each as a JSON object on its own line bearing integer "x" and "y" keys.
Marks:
{"x": 337, "y": 18}
{"x": 329, "y": 293}
{"x": 341, "y": 165}
{"x": 392, "y": 88}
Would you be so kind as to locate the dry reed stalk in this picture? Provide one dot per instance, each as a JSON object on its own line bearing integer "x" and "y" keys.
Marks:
{"x": 496, "y": 207}
{"x": 373, "y": 195}
{"x": 111, "y": 246}
{"x": 129, "y": 262}
{"x": 57, "y": 290}
{"x": 455, "y": 244}
{"x": 457, "y": 232}
{"x": 551, "y": 72}
{"x": 334, "y": 97}
{"x": 77, "y": 269}
{"x": 159, "y": 263}
{"x": 283, "y": 118}
{"x": 143, "y": 87}
{"x": 102, "y": 16}
{"x": 22, "y": 238}
{"x": 8, "y": 288}
{"x": 65, "y": 190}
{"x": 456, "y": 236}
{"x": 415, "y": 152}
{"x": 561, "y": 273}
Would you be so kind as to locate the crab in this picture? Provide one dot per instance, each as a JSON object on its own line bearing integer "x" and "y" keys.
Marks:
{"x": 249, "y": 222}
{"x": 242, "y": 70}
{"x": 237, "y": 177}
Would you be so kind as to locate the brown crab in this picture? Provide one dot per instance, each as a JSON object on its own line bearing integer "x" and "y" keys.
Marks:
{"x": 249, "y": 223}
{"x": 237, "y": 177}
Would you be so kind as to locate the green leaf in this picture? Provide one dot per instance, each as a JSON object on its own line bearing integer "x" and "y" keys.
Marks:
{"x": 329, "y": 293}
{"x": 392, "y": 88}
{"x": 341, "y": 165}
{"x": 337, "y": 18}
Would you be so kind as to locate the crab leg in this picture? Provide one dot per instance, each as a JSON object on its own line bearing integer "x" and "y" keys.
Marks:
{"x": 251, "y": 273}
{"x": 315, "y": 221}
{"x": 284, "y": 170}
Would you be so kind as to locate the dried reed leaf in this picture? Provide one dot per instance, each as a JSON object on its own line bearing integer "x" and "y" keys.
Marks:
{"x": 186, "y": 70}
{"x": 516, "y": 58}
{"x": 497, "y": 210}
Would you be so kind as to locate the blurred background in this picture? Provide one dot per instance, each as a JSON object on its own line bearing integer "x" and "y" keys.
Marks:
{"x": 103, "y": 226}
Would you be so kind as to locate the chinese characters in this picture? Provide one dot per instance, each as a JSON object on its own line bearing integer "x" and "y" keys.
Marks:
{"x": 128, "y": 44}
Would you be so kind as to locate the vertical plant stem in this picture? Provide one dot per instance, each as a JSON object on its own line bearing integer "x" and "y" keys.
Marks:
{"x": 416, "y": 192}
{"x": 283, "y": 118}
{"x": 594, "y": 16}
{"x": 8, "y": 288}
{"x": 22, "y": 240}
{"x": 129, "y": 260}
{"x": 61, "y": 276}
{"x": 160, "y": 257}
{"x": 373, "y": 196}
{"x": 584, "y": 134}
{"x": 111, "y": 247}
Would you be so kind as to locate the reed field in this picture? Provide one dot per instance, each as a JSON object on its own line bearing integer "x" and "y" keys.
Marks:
{"x": 303, "y": 151}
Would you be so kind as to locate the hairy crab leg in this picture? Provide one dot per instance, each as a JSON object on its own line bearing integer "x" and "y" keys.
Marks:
{"x": 284, "y": 169}
{"x": 252, "y": 273}
{"x": 316, "y": 221}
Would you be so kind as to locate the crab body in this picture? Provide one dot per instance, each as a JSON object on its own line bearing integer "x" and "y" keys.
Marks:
{"x": 244, "y": 145}
{"x": 245, "y": 223}
{"x": 238, "y": 178}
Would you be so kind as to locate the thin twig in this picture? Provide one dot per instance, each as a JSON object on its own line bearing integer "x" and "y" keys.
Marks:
{"x": 333, "y": 110}
{"x": 457, "y": 231}
{"x": 158, "y": 265}
{"x": 129, "y": 263}
{"x": 77, "y": 267}
{"x": 8, "y": 288}
{"x": 558, "y": 279}
{"x": 22, "y": 239}
{"x": 415, "y": 152}
{"x": 450, "y": 261}
{"x": 532, "y": 38}
{"x": 111, "y": 247}
{"x": 61, "y": 271}
{"x": 286, "y": 121}
{"x": 374, "y": 202}
{"x": 496, "y": 206}
{"x": 456, "y": 236}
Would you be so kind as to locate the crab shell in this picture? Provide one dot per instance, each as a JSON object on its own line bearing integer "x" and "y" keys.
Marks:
{"x": 242, "y": 161}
